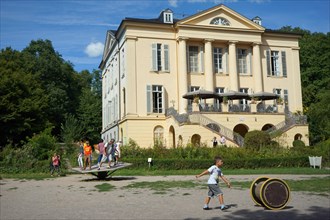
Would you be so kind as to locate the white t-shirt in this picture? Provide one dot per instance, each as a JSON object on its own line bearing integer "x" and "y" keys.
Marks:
{"x": 215, "y": 173}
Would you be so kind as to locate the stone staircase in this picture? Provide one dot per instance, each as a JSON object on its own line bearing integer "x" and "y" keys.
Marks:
{"x": 207, "y": 123}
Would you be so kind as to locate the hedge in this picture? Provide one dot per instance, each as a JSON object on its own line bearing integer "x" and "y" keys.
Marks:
{"x": 175, "y": 164}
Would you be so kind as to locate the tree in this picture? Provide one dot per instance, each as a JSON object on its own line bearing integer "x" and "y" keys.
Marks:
{"x": 22, "y": 100}
{"x": 58, "y": 79}
{"x": 315, "y": 80}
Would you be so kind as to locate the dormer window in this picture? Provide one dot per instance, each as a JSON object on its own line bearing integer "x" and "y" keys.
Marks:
{"x": 220, "y": 21}
{"x": 168, "y": 17}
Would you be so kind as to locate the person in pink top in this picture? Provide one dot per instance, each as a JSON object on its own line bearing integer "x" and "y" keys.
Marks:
{"x": 101, "y": 150}
{"x": 56, "y": 164}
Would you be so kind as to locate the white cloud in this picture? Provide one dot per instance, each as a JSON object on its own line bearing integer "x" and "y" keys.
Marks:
{"x": 259, "y": 1}
{"x": 173, "y": 3}
{"x": 94, "y": 49}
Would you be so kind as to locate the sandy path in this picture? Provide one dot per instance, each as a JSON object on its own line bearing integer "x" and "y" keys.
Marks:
{"x": 75, "y": 197}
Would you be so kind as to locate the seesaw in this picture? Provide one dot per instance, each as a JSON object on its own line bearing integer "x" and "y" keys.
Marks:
{"x": 104, "y": 172}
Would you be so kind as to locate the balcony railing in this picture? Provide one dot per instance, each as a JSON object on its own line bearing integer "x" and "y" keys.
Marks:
{"x": 234, "y": 108}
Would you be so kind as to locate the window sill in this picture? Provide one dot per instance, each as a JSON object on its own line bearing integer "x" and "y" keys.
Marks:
{"x": 245, "y": 75}
{"x": 159, "y": 72}
{"x": 194, "y": 73}
{"x": 222, "y": 74}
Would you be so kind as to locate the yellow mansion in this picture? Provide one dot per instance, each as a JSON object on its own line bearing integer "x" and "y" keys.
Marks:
{"x": 215, "y": 73}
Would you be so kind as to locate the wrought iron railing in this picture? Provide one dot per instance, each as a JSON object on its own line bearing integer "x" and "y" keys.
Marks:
{"x": 290, "y": 120}
{"x": 216, "y": 127}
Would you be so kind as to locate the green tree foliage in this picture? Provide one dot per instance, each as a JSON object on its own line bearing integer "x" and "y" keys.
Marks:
{"x": 315, "y": 79}
{"x": 256, "y": 140}
{"x": 57, "y": 78}
{"x": 38, "y": 90}
{"x": 72, "y": 130}
{"x": 90, "y": 109}
{"x": 23, "y": 102}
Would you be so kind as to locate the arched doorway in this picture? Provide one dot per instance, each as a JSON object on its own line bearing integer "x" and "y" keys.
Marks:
{"x": 158, "y": 135}
{"x": 196, "y": 140}
{"x": 267, "y": 127}
{"x": 180, "y": 141}
{"x": 297, "y": 137}
{"x": 241, "y": 129}
{"x": 172, "y": 137}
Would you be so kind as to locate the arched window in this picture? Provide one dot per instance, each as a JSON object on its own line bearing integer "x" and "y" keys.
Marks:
{"x": 220, "y": 21}
{"x": 158, "y": 135}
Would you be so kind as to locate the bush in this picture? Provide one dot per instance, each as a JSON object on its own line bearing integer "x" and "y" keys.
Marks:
{"x": 255, "y": 140}
{"x": 298, "y": 144}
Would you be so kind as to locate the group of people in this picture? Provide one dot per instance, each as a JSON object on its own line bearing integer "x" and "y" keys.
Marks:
{"x": 108, "y": 151}
{"x": 222, "y": 141}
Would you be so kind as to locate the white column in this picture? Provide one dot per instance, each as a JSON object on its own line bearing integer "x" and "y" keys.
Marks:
{"x": 182, "y": 72}
{"x": 208, "y": 65}
{"x": 257, "y": 73}
{"x": 233, "y": 66}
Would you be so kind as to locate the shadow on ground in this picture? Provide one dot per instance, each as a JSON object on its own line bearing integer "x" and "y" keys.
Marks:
{"x": 117, "y": 178}
{"x": 314, "y": 213}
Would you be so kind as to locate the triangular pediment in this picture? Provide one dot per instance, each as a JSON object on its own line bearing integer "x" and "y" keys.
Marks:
{"x": 109, "y": 41}
{"x": 220, "y": 16}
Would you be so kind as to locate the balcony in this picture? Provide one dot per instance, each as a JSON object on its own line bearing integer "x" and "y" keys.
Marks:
{"x": 236, "y": 108}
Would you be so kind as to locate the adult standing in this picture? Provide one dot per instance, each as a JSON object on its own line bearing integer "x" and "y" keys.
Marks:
{"x": 101, "y": 152}
{"x": 223, "y": 140}
{"x": 214, "y": 142}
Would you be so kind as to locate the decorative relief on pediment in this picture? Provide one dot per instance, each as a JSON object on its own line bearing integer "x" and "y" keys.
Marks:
{"x": 220, "y": 21}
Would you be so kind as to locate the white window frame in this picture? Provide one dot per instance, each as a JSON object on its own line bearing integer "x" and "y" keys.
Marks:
{"x": 218, "y": 90}
{"x": 155, "y": 99}
{"x": 160, "y": 54}
{"x": 197, "y": 64}
{"x": 218, "y": 59}
{"x": 276, "y": 63}
{"x": 244, "y": 61}
{"x": 244, "y": 102}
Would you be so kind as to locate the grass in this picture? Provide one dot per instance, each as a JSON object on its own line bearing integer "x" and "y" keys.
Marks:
{"x": 316, "y": 185}
{"x": 104, "y": 187}
{"x": 161, "y": 186}
{"x": 319, "y": 186}
{"x": 193, "y": 172}
{"x": 292, "y": 170}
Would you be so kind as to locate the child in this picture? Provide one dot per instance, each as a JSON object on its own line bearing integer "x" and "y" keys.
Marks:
{"x": 214, "y": 189}
{"x": 87, "y": 155}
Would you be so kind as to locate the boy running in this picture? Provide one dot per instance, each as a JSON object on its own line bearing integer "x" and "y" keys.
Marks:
{"x": 214, "y": 189}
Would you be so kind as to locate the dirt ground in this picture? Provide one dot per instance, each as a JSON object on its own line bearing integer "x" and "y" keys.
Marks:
{"x": 76, "y": 197}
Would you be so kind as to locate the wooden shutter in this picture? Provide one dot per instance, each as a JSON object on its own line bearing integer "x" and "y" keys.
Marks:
{"x": 149, "y": 99}
{"x": 268, "y": 58}
{"x": 166, "y": 58}
{"x": 284, "y": 70}
{"x": 154, "y": 57}
{"x": 201, "y": 52}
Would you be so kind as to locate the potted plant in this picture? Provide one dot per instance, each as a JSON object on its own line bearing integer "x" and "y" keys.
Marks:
{"x": 224, "y": 105}
{"x": 254, "y": 100}
{"x": 253, "y": 104}
{"x": 279, "y": 101}
{"x": 196, "y": 100}
{"x": 195, "y": 106}
{"x": 225, "y": 100}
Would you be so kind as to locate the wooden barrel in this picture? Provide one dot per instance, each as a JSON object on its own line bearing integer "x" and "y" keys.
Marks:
{"x": 271, "y": 193}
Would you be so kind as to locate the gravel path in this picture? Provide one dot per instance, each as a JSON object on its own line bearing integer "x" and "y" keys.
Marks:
{"x": 75, "y": 197}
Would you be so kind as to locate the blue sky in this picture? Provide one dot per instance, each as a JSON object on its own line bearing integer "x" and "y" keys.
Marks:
{"x": 77, "y": 28}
